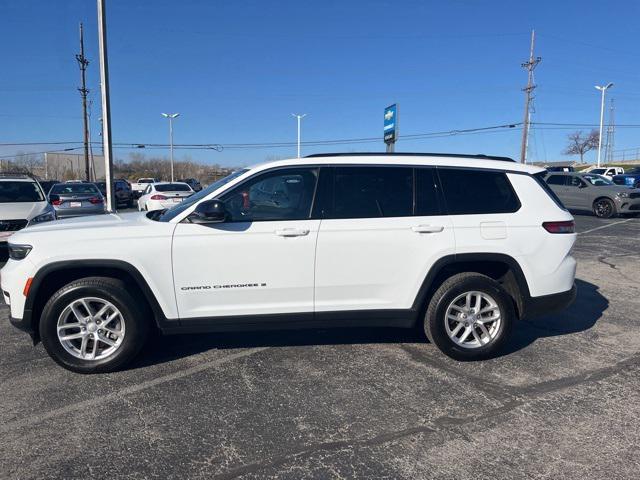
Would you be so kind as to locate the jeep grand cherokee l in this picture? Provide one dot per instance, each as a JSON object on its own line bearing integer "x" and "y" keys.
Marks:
{"x": 461, "y": 245}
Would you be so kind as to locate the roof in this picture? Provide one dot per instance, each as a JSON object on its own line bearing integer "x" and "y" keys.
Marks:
{"x": 24, "y": 177}
{"x": 427, "y": 159}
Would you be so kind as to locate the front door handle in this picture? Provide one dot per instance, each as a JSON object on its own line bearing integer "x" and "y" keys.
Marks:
{"x": 292, "y": 232}
{"x": 427, "y": 228}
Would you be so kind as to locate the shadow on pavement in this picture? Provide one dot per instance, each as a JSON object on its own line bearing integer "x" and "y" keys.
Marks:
{"x": 580, "y": 316}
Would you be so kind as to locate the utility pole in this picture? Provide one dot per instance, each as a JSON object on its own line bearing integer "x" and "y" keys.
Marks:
{"x": 530, "y": 67}
{"x": 106, "y": 106}
{"x": 299, "y": 117}
{"x": 603, "y": 90}
{"x": 83, "y": 63}
{"x": 171, "y": 116}
{"x": 611, "y": 132}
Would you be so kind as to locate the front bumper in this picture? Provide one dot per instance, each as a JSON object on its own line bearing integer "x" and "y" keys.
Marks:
{"x": 548, "y": 304}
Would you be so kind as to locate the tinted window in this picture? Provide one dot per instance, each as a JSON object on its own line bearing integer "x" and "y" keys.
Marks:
{"x": 575, "y": 182}
{"x": 173, "y": 187}
{"x": 11, "y": 192}
{"x": 73, "y": 188}
{"x": 427, "y": 201}
{"x": 285, "y": 194}
{"x": 539, "y": 177}
{"x": 598, "y": 180}
{"x": 476, "y": 191}
{"x": 556, "y": 180}
{"x": 369, "y": 192}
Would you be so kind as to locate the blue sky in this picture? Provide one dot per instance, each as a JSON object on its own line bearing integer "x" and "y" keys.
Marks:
{"x": 236, "y": 70}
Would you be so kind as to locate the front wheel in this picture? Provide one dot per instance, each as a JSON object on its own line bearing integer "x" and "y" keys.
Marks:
{"x": 604, "y": 208}
{"x": 469, "y": 317}
{"x": 93, "y": 325}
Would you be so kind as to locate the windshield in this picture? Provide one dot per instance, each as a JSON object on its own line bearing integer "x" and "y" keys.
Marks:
{"x": 597, "y": 180}
{"x": 73, "y": 188}
{"x": 598, "y": 171}
{"x": 196, "y": 197}
{"x": 146, "y": 180}
{"x": 19, "y": 192}
{"x": 173, "y": 187}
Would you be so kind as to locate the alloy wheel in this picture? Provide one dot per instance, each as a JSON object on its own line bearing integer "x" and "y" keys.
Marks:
{"x": 473, "y": 319}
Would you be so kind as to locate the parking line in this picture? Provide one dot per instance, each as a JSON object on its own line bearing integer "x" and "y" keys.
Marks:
{"x": 605, "y": 226}
{"x": 79, "y": 406}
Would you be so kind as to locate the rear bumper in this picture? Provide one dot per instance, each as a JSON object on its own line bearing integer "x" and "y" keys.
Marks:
{"x": 547, "y": 304}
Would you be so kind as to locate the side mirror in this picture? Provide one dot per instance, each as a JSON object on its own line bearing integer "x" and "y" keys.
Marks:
{"x": 209, "y": 211}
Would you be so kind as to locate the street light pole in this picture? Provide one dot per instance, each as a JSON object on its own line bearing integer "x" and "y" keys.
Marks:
{"x": 299, "y": 117}
{"x": 171, "y": 116}
{"x": 603, "y": 90}
{"x": 106, "y": 105}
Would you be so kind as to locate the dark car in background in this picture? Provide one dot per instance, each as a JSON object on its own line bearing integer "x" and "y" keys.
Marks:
{"x": 194, "y": 183}
{"x": 123, "y": 192}
{"x": 630, "y": 178}
{"x": 47, "y": 184}
{"x": 74, "y": 199}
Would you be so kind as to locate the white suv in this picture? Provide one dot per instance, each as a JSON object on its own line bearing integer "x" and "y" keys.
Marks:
{"x": 22, "y": 203}
{"x": 461, "y": 245}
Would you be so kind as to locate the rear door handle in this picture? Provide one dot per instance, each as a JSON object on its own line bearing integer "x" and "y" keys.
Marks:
{"x": 292, "y": 232}
{"x": 427, "y": 228}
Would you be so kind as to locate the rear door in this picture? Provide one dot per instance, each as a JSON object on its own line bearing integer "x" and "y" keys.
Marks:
{"x": 382, "y": 229}
{"x": 577, "y": 193}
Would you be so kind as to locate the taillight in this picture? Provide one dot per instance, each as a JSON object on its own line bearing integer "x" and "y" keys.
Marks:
{"x": 158, "y": 197}
{"x": 560, "y": 227}
{"x": 56, "y": 202}
{"x": 96, "y": 200}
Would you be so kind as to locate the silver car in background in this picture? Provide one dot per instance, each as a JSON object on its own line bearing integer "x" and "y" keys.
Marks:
{"x": 595, "y": 193}
{"x": 74, "y": 199}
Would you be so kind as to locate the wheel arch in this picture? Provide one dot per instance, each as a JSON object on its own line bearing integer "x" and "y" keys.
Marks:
{"x": 55, "y": 275}
{"x": 501, "y": 267}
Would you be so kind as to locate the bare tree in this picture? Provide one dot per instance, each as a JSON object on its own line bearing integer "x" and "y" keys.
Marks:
{"x": 581, "y": 143}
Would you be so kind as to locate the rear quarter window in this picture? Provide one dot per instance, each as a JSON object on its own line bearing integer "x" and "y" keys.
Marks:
{"x": 469, "y": 191}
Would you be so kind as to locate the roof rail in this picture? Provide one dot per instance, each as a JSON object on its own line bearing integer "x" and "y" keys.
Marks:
{"x": 406, "y": 154}
{"x": 17, "y": 175}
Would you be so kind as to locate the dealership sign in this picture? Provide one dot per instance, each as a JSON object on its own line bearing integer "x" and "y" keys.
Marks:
{"x": 391, "y": 123}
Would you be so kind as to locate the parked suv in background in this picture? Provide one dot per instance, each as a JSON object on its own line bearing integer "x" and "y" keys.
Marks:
{"x": 193, "y": 183}
{"x": 123, "y": 192}
{"x": 461, "y": 245}
{"x": 607, "y": 171}
{"x": 630, "y": 178}
{"x": 594, "y": 193}
{"x": 22, "y": 203}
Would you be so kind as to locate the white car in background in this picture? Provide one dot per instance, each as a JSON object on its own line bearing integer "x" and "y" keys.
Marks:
{"x": 161, "y": 195}
{"x": 22, "y": 203}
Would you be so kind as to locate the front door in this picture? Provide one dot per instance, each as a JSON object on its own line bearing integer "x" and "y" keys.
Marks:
{"x": 260, "y": 261}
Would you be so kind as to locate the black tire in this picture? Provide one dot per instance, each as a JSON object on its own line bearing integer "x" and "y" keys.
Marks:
{"x": 604, "y": 208}
{"x": 436, "y": 316}
{"x": 134, "y": 316}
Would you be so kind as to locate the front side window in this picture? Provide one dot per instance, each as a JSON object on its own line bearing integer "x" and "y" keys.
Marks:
{"x": 372, "y": 192}
{"x": 284, "y": 194}
{"x": 19, "y": 192}
{"x": 469, "y": 191}
{"x": 575, "y": 182}
{"x": 598, "y": 180}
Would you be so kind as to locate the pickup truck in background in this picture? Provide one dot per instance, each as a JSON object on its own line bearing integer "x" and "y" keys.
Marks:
{"x": 140, "y": 186}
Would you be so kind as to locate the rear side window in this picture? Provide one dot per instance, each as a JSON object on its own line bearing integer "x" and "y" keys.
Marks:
{"x": 371, "y": 192}
{"x": 556, "y": 180}
{"x": 427, "y": 200}
{"x": 470, "y": 191}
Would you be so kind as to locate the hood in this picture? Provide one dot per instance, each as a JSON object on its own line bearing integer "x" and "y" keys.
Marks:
{"x": 91, "y": 222}
{"x": 21, "y": 210}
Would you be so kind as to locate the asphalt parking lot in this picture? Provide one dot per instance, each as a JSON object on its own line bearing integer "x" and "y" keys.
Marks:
{"x": 562, "y": 402}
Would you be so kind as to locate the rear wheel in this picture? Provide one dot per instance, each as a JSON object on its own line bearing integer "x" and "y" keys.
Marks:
{"x": 469, "y": 317}
{"x": 93, "y": 325}
{"x": 604, "y": 208}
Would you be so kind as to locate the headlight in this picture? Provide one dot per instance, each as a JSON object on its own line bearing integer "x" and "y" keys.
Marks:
{"x": 43, "y": 217}
{"x": 18, "y": 252}
{"x": 623, "y": 194}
